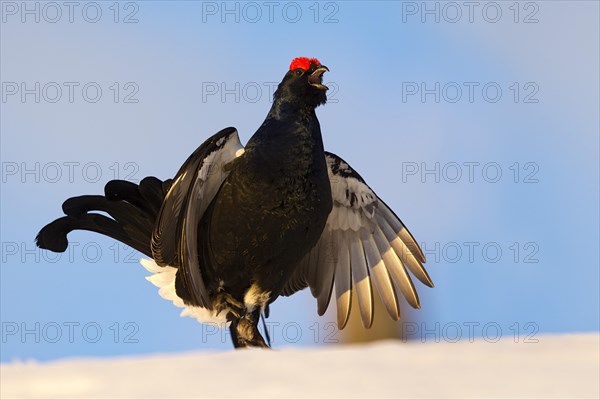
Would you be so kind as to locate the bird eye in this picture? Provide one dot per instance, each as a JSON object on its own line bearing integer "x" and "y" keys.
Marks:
{"x": 299, "y": 71}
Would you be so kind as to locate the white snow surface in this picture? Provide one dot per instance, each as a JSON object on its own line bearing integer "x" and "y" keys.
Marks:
{"x": 558, "y": 366}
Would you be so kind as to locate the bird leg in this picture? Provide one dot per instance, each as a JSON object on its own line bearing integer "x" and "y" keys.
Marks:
{"x": 226, "y": 302}
{"x": 244, "y": 331}
{"x": 243, "y": 324}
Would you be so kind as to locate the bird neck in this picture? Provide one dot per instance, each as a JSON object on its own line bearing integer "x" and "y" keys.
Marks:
{"x": 284, "y": 108}
{"x": 287, "y": 123}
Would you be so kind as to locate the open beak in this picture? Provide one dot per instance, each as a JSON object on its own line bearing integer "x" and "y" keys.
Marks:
{"x": 316, "y": 78}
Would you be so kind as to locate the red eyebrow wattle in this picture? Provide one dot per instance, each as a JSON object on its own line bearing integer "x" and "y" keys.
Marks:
{"x": 303, "y": 63}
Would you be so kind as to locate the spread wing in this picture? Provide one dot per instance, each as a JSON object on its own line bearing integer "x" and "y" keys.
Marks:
{"x": 364, "y": 244}
{"x": 175, "y": 234}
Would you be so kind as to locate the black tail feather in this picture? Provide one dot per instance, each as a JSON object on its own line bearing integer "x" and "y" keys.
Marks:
{"x": 133, "y": 208}
{"x": 153, "y": 191}
{"x": 123, "y": 212}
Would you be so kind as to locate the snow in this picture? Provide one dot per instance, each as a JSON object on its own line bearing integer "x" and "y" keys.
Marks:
{"x": 565, "y": 366}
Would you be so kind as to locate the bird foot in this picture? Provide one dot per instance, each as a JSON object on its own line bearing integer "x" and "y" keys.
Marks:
{"x": 244, "y": 331}
{"x": 244, "y": 324}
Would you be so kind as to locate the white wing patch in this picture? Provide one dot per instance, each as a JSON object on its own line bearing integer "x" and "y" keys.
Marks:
{"x": 175, "y": 235}
{"x": 164, "y": 279}
{"x": 365, "y": 245}
{"x": 208, "y": 181}
{"x": 350, "y": 193}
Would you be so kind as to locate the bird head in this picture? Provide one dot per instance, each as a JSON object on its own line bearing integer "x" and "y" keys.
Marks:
{"x": 303, "y": 83}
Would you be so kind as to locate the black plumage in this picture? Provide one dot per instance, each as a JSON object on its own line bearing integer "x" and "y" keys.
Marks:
{"x": 243, "y": 226}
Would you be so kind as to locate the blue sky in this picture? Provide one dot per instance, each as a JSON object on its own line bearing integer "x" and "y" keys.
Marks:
{"x": 515, "y": 249}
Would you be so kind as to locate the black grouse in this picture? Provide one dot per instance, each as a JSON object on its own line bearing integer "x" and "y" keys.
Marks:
{"x": 237, "y": 227}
